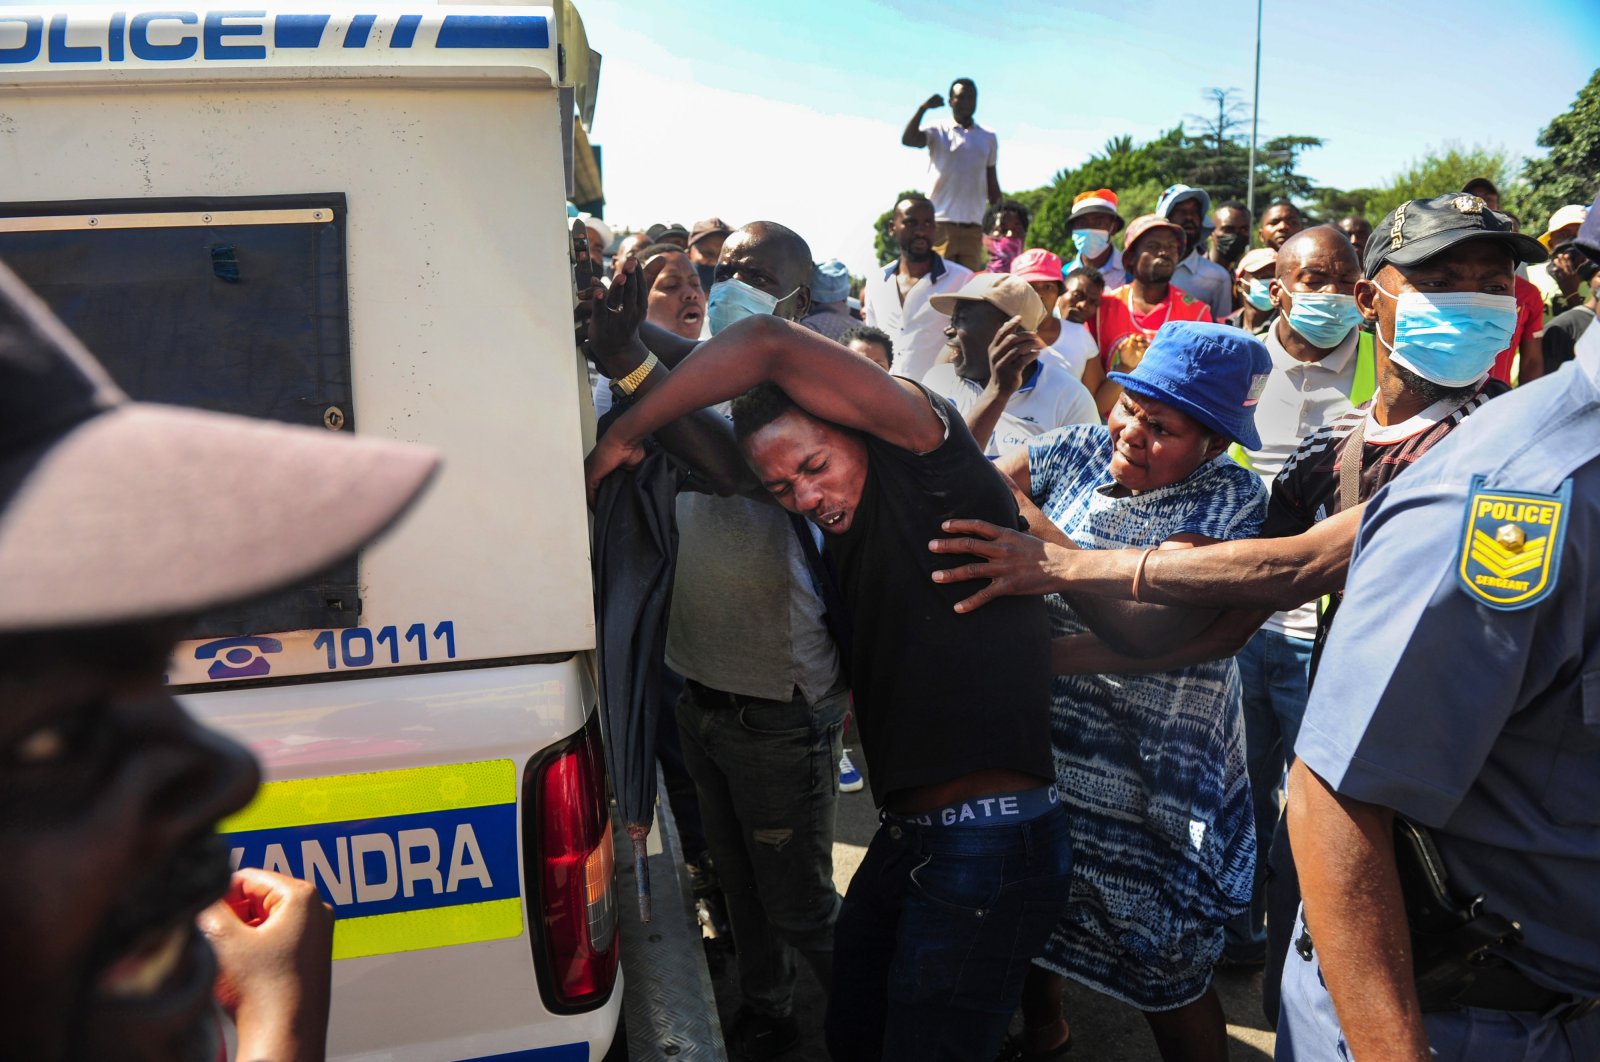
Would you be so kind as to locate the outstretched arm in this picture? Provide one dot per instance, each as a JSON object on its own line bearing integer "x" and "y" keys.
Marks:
{"x": 1125, "y": 631}
{"x": 821, "y": 377}
{"x": 1259, "y": 573}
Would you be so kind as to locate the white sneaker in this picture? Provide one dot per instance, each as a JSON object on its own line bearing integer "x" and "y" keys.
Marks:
{"x": 850, "y": 780}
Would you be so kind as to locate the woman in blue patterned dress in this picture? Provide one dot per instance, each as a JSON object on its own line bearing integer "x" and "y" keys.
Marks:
{"x": 1150, "y": 766}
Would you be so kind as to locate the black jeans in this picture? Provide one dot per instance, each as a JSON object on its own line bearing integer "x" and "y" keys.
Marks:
{"x": 767, "y": 773}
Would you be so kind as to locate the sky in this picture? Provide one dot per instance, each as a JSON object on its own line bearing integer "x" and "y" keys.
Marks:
{"x": 749, "y": 109}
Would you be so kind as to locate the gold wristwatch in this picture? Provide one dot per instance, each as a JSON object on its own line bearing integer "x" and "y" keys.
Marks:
{"x": 630, "y": 383}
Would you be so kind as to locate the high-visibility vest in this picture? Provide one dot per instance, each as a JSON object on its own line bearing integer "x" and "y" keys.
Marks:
{"x": 1363, "y": 387}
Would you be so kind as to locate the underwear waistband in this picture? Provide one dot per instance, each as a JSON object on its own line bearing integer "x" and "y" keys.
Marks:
{"x": 1009, "y": 809}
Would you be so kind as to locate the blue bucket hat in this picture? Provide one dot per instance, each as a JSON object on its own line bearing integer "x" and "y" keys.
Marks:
{"x": 830, "y": 281}
{"x": 1214, "y": 373}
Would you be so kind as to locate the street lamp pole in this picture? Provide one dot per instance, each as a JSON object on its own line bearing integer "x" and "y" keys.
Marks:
{"x": 1255, "y": 111}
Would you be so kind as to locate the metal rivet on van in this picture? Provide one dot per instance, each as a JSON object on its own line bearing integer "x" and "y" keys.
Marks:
{"x": 93, "y": 222}
{"x": 333, "y": 418}
{"x": 316, "y": 215}
{"x": 206, "y": 218}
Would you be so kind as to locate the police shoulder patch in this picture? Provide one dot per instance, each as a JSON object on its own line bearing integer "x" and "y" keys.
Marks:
{"x": 1510, "y": 555}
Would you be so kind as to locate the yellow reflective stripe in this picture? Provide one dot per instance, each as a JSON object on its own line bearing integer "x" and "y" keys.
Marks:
{"x": 377, "y": 795}
{"x": 438, "y": 927}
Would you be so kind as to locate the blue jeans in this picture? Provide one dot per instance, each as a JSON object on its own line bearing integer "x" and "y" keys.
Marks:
{"x": 1308, "y": 1028}
{"x": 767, "y": 776}
{"x": 939, "y": 927}
{"x": 1273, "y": 670}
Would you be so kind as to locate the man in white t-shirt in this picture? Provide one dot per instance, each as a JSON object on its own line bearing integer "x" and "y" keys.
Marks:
{"x": 899, "y": 296}
{"x": 961, "y": 155}
{"x": 996, "y": 379}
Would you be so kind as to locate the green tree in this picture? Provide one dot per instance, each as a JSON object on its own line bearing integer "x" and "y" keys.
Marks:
{"x": 1571, "y": 172}
{"x": 882, "y": 242}
{"x": 1276, "y": 176}
{"x": 1447, "y": 169}
{"x": 1120, "y": 166}
{"x": 1331, "y": 204}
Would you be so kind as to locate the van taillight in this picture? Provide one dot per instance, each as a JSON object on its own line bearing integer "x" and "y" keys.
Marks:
{"x": 567, "y": 848}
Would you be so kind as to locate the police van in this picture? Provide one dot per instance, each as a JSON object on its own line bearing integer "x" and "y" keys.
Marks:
{"x": 353, "y": 216}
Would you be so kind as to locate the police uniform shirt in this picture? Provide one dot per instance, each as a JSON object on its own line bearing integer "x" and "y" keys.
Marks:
{"x": 1466, "y": 693}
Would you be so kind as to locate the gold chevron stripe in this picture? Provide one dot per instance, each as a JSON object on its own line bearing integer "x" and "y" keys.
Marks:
{"x": 1488, "y": 543}
{"x": 1506, "y": 571}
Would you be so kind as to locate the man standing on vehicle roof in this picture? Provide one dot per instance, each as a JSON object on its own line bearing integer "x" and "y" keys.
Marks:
{"x": 968, "y": 872}
{"x": 765, "y": 695}
{"x": 961, "y": 155}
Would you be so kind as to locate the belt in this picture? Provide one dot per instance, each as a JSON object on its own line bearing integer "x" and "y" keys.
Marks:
{"x": 1504, "y": 987}
{"x": 722, "y": 699}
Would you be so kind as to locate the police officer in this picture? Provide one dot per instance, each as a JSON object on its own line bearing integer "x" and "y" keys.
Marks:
{"x": 1462, "y": 693}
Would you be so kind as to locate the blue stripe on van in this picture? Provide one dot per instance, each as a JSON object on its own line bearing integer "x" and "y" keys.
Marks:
{"x": 494, "y": 31}
{"x": 563, "y": 1053}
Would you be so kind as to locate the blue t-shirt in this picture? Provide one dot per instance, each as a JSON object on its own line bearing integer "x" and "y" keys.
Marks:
{"x": 1483, "y": 723}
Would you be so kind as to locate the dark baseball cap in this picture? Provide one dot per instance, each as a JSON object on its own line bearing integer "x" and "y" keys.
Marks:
{"x": 1418, "y": 229}
{"x": 657, "y": 233}
{"x": 708, "y": 227}
{"x": 113, "y": 511}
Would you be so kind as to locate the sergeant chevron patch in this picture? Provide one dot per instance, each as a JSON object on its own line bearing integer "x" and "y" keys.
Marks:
{"x": 1510, "y": 556}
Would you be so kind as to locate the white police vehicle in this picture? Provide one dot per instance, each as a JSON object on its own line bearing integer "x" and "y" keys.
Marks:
{"x": 353, "y": 216}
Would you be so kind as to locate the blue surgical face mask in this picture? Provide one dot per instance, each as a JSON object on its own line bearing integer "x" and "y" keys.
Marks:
{"x": 731, "y": 301}
{"x": 1450, "y": 337}
{"x": 1323, "y": 318}
{"x": 1090, "y": 242}
{"x": 1256, "y": 294}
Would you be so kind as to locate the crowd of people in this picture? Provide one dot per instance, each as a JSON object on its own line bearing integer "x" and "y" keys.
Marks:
{"x": 1189, "y": 432}
{"x": 1194, "y": 604}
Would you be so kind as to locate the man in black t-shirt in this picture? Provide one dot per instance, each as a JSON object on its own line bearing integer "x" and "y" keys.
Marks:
{"x": 969, "y": 871}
